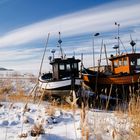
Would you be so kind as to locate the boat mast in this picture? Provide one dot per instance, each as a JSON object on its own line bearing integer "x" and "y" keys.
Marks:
{"x": 60, "y": 41}
{"x": 99, "y": 61}
{"x": 106, "y": 55}
{"x": 96, "y": 34}
{"x": 44, "y": 54}
{"x": 81, "y": 67}
{"x": 118, "y": 36}
{"x": 132, "y": 43}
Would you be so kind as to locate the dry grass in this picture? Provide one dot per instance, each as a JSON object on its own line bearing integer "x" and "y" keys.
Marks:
{"x": 14, "y": 89}
{"x": 127, "y": 116}
{"x": 84, "y": 123}
{"x": 5, "y": 87}
{"x": 134, "y": 114}
{"x": 2, "y": 97}
{"x": 23, "y": 135}
{"x": 50, "y": 110}
{"x": 37, "y": 129}
{"x": 16, "y": 98}
{"x": 5, "y": 90}
{"x": 20, "y": 97}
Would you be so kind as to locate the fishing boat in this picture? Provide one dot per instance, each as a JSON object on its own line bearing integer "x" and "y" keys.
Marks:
{"x": 64, "y": 77}
{"x": 125, "y": 69}
{"x": 122, "y": 73}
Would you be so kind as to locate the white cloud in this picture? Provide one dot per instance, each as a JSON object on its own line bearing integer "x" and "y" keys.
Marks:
{"x": 99, "y": 19}
{"x": 96, "y": 19}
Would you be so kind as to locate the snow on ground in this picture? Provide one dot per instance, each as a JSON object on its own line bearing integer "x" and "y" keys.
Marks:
{"x": 18, "y": 119}
{"x": 60, "y": 124}
{"x": 13, "y": 122}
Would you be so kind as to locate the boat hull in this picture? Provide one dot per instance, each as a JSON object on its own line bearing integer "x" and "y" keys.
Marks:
{"x": 59, "y": 87}
{"x": 112, "y": 79}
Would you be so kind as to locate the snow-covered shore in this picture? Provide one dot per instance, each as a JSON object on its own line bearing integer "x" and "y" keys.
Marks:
{"x": 18, "y": 119}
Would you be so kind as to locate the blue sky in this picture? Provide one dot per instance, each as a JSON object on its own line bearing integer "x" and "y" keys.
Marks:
{"x": 25, "y": 24}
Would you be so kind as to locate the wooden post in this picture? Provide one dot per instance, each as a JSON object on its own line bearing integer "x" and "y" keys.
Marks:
{"x": 109, "y": 96}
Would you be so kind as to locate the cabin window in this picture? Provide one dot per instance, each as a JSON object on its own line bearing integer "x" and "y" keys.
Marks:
{"x": 133, "y": 62}
{"x": 62, "y": 67}
{"x": 68, "y": 66}
{"x": 115, "y": 64}
{"x": 125, "y": 62}
{"x": 74, "y": 66}
{"x": 138, "y": 61}
{"x": 120, "y": 62}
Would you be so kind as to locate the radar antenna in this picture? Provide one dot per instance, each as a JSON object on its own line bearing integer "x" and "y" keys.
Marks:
{"x": 118, "y": 37}
{"x": 60, "y": 41}
{"x": 132, "y": 43}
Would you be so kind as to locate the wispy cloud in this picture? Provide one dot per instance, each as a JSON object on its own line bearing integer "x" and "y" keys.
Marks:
{"x": 86, "y": 22}
{"x": 95, "y": 19}
{"x": 19, "y": 54}
{"x": 22, "y": 60}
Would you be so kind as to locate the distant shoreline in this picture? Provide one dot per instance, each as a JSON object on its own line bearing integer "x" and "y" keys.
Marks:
{"x": 18, "y": 77}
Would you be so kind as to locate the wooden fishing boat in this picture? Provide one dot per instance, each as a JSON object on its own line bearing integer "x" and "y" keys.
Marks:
{"x": 123, "y": 71}
{"x": 64, "y": 76}
{"x": 63, "y": 79}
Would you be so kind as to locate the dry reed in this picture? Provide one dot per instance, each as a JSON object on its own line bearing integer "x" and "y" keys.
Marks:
{"x": 133, "y": 117}
{"x": 134, "y": 114}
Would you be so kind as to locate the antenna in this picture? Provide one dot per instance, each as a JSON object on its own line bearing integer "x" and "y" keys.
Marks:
{"x": 53, "y": 51}
{"x": 44, "y": 54}
{"x": 96, "y": 34}
{"x": 50, "y": 58}
{"x": 132, "y": 43}
{"x": 81, "y": 65}
{"x": 115, "y": 47}
{"x": 73, "y": 53}
{"x": 118, "y": 36}
{"x": 60, "y": 41}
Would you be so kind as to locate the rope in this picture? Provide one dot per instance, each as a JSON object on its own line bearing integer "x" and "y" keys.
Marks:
{"x": 44, "y": 54}
{"x": 42, "y": 94}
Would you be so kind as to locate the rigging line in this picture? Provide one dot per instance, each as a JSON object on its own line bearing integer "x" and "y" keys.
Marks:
{"x": 36, "y": 85}
{"x": 44, "y": 54}
{"x": 123, "y": 45}
{"x": 42, "y": 94}
{"x": 99, "y": 63}
{"x": 106, "y": 55}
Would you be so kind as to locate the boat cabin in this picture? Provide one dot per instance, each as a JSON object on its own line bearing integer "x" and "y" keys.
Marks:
{"x": 127, "y": 63}
{"x": 64, "y": 68}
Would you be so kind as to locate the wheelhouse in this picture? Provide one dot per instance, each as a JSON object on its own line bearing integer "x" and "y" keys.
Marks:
{"x": 127, "y": 63}
{"x": 64, "y": 68}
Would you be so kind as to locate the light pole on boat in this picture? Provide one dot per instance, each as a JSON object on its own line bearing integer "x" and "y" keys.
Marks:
{"x": 60, "y": 41}
{"x": 96, "y": 34}
{"x": 118, "y": 36}
{"x": 132, "y": 43}
{"x": 116, "y": 47}
{"x": 53, "y": 51}
{"x": 46, "y": 45}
